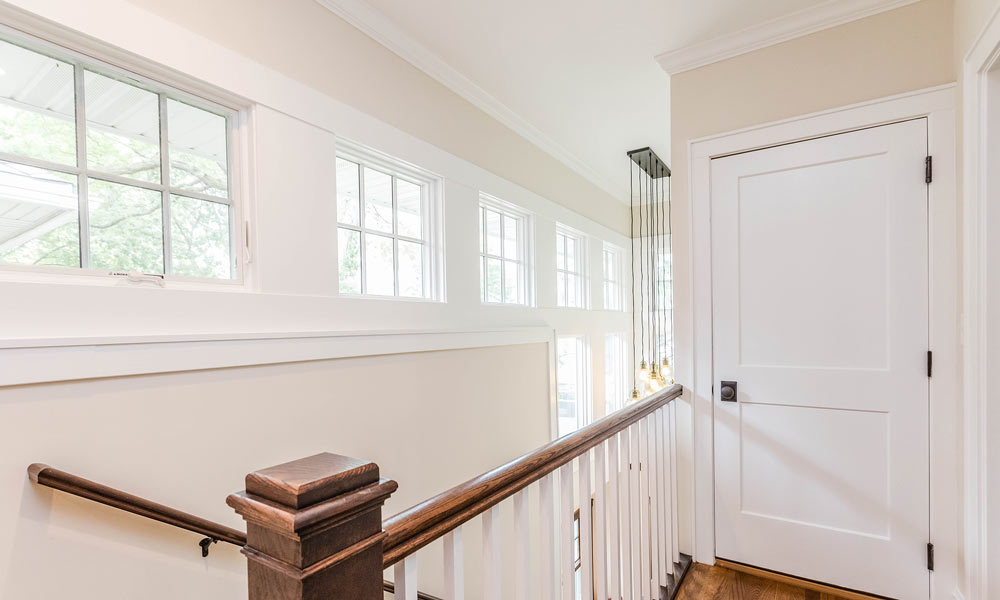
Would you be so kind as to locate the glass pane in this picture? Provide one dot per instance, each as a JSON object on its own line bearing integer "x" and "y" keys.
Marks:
{"x": 572, "y": 291}
{"x": 571, "y": 254}
{"x": 481, "y": 233}
{"x": 378, "y": 201}
{"x": 411, "y": 269}
{"x": 199, "y": 238}
{"x": 349, "y": 257}
{"x": 198, "y": 148}
{"x": 123, "y": 128}
{"x": 510, "y": 233}
{"x": 409, "y": 211}
{"x": 493, "y": 283}
{"x": 482, "y": 278}
{"x": 37, "y": 109}
{"x": 126, "y": 227}
{"x": 379, "y": 273}
{"x": 560, "y": 251}
{"x": 348, "y": 193}
{"x": 560, "y": 289}
{"x": 39, "y": 217}
{"x": 566, "y": 381}
{"x": 511, "y": 282}
{"x": 493, "y": 232}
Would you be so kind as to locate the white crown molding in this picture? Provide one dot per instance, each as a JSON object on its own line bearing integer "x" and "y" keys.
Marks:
{"x": 380, "y": 28}
{"x": 797, "y": 24}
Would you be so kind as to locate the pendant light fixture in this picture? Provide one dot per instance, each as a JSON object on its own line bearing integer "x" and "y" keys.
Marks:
{"x": 649, "y": 222}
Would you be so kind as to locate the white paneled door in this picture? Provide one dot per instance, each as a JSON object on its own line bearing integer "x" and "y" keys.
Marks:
{"x": 820, "y": 308}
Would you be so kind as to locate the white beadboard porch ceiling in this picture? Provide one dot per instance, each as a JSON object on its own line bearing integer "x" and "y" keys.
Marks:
{"x": 577, "y": 77}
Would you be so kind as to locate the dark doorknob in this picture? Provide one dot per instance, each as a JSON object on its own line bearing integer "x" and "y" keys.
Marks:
{"x": 728, "y": 391}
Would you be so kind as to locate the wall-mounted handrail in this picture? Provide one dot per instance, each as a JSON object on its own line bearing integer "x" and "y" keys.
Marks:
{"x": 424, "y": 523}
{"x": 78, "y": 486}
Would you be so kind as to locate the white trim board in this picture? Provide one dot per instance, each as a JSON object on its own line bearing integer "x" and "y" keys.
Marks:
{"x": 787, "y": 27}
{"x": 377, "y": 26}
{"x": 979, "y": 100}
{"x": 937, "y": 105}
{"x": 40, "y": 361}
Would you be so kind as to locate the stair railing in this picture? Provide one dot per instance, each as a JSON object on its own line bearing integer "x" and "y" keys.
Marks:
{"x": 314, "y": 525}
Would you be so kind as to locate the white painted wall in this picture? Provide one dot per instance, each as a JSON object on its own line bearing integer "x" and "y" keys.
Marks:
{"x": 160, "y": 391}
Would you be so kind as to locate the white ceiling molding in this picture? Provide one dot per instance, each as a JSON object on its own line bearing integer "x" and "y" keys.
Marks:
{"x": 380, "y": 28}
{"x": 797, "y": 24}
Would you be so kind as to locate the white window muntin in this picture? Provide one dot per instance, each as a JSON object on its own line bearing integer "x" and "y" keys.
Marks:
{"x": 208, "y": 99}
{"x": 430, "y": 239}
{"x": 522, "y": 251}
{"x": 613, "y": 285}
{"x": 571, "y": 274}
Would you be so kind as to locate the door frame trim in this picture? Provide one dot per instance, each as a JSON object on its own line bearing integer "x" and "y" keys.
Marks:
{"x": 937, "y": 104}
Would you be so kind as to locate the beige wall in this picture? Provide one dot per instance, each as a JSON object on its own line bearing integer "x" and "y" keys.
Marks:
{"x": 308, "y": 42}
{"x": 890, "y": 53}
{"x": 188, "y": 439}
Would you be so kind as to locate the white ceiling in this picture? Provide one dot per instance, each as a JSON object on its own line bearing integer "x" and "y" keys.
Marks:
{"x": 579, "y": 75}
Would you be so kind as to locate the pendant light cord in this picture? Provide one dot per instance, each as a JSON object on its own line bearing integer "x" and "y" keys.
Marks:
{"x": 631, "y": 256}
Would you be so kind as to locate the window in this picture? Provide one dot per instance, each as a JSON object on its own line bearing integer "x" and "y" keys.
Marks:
{"x": 103, "y": 170}
{"x": 573, "y": 383}
{"x": 616, "y": 386}
{"x": 613, "y": 297}
{"x": 503, "y": 253}
{"x": 665, "y": 301}
{"x": 384, "y": 230}
{"x": 571, "y": 261}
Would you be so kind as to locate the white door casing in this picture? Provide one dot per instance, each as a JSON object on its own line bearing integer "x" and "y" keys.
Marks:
{"x": 820, "y": 314}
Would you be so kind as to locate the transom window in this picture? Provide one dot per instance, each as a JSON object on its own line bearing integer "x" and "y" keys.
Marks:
{"x": 384, "y": 231}
{"x": 613, "y": 296}
{"x": 103, "y": 170}
{"x": 503, "y": 251}
{"x": 571, "y": 258}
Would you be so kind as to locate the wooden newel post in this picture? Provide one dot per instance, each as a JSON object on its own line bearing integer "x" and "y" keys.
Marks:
{"x": 314, "y": 529}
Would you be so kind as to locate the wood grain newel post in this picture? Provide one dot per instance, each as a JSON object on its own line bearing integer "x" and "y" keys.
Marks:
{"x": 314, "y": 529}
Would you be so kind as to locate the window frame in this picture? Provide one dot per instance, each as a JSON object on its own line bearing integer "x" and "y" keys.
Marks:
{"x": 613, "y": 288}
{"x": 616, "y": 371}
{"x": 84, "y": 54}
{"x": 432, "y": 221}
{"x": 525, "y": 248}
{"x": 584, "y": 382}
{"x": 665, "y": 298}
{"x": 582, "y": 262}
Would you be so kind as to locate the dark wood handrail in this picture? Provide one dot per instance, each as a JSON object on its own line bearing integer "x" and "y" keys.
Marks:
{"x": 424, "y": 523}
{"x": 78, "y": 486}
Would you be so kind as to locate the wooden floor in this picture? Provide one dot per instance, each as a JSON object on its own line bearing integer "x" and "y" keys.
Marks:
{"x": 717, "y": 583}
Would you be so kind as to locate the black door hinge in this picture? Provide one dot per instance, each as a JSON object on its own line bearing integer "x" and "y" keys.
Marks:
{"x": 930, "y": 363}
{"x": 928, "y": 169}
{"x": 930, "y": 557}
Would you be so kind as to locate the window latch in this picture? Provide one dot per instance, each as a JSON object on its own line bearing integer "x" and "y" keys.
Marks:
{"x": 137, "y": 277}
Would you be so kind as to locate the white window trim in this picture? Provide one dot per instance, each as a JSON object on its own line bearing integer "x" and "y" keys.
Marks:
{"x": 74, "y": 48}
{"x": 583, "y": 267}
{"x": 526, "y": 249}
{"x": 621, "y": 371}
{"x": 432, "y": 219}
{"x": 618, "y": 254}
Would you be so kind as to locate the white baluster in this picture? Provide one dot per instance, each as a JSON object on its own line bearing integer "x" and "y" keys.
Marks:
{"x": 566, "y": 559}
{"x": 586, "y": 529}
{"x": 547, "y": 535}
{"x": 454, "y": 565}
{"x": 491, "y": 554}
{"x": 626, "y": 514}
{"x": 522, "y": 560}
{"x": 634, "y": 504}
{"x": 644, "y": 509}
{"x": 614, "y": 519}
{"x": 666, "y": 525}
{"x": 405, "y": 578}
{"x": 654, "y": 505}
{"x": 600, "y": 523}
{"x": 673, "y": 479}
